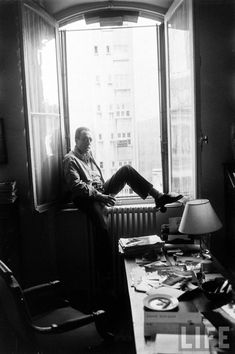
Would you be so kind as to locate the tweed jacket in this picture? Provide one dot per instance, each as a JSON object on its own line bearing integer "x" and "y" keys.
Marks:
{"x": 78, "y": 175}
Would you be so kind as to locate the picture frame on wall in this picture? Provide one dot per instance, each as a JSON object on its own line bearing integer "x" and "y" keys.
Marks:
{"x": 3, "y": 148}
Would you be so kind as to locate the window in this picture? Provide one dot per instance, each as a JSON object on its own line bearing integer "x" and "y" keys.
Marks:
{"x": 107, "y": 50}
{"x": 132, "y": 93}
{"x": 96, "y": 50}
{"x": 181, "y": 110}
{"x": 43, "y": 108}
{"x": 130, "y": 106}
{"x": 135, "y": 89}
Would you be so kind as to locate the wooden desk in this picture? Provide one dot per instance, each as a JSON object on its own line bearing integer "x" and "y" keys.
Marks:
{"x": 155, "y": 344}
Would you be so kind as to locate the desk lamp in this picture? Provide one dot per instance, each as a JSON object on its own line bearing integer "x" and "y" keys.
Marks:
{"x": 199, "y": 218}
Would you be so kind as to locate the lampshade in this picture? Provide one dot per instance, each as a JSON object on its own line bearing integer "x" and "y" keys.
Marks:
{"x": 199, "y": 218}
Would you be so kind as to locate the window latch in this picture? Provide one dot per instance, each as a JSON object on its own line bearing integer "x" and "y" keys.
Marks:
{"x": 203, "y": 140}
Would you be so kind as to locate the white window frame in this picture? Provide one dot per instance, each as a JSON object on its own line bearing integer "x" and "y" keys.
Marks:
{"x": 174, "y": 7}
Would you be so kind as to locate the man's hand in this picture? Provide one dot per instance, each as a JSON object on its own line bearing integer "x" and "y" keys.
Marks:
{"x": 107, "y": 199}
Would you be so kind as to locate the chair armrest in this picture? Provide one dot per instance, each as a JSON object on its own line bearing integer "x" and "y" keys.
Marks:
{"x": 54, "y": 285}
{"x": 69, "y": 324}
{"x": 45, "y": 296}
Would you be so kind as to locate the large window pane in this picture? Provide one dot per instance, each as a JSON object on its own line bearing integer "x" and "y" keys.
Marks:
{"x": 113, "y": 89}
{"x": 181, "y": 100}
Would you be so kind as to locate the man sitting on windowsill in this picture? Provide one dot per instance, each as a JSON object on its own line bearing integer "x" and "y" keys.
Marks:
{"x": 90, "y": 193}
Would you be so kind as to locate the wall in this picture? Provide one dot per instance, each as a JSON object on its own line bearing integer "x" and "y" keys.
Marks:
{"x": 215, "y": 25}
{"x": 11, "y": 97}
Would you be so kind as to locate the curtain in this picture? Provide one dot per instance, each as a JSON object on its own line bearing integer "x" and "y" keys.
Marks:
{"x": 44, "y": 119}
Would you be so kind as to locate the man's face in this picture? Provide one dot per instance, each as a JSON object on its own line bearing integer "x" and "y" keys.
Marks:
{"x": 84, "y": 141}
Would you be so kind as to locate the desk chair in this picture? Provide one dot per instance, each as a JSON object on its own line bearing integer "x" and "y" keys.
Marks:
{"x": 48, "y": 326}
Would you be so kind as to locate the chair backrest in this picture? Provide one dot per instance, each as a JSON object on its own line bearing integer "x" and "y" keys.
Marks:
{"x": 13, "y": 304}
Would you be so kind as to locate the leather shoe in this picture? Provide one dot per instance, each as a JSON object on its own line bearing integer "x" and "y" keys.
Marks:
{"x": 167, "y": 199}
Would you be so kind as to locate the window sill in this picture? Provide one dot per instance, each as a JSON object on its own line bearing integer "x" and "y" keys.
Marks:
{"x": 123, "y": 202}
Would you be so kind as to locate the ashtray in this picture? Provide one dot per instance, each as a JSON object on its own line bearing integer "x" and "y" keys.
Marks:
{"x": 160, "y": 302}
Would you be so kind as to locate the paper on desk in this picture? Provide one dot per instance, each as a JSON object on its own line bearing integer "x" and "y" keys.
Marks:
{"x": 143, "y": 281}
{"x": 228, "y": 311}
{"x": 165, "y": 290}
{"x": 142, "y": 287}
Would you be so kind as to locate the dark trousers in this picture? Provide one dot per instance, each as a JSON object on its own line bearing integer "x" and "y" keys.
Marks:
{"x": 98, "y": 212}
{"x": 127, "y": 175}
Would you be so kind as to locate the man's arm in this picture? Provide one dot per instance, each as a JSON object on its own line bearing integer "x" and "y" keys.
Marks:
{"x": 107, "y": 199}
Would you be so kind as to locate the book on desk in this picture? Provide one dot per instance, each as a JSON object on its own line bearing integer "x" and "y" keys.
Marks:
{"x": 185, "y": 315}
{"x": 134, "y": 246}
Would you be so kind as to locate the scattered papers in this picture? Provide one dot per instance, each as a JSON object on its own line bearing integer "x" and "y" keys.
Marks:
{"x": 229, "y": 311}
{"x": 150, "y": 262}
{"x": 143, "y": 281}
{"x": 166, "y": 290}
{"x": 167, "y": 276}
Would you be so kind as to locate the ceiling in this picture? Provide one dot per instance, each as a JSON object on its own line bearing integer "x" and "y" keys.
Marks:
{"x": 66, "y": 10}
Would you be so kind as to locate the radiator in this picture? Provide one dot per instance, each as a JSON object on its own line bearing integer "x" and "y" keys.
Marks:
{"x": 132, "y": 221}
{"x": 128, "y": 221}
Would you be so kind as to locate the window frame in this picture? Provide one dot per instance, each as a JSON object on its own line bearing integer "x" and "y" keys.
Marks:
{"x": 162, "y": 74}
{"x": 173, "y": 8}
{"x": 38, "y": 201}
